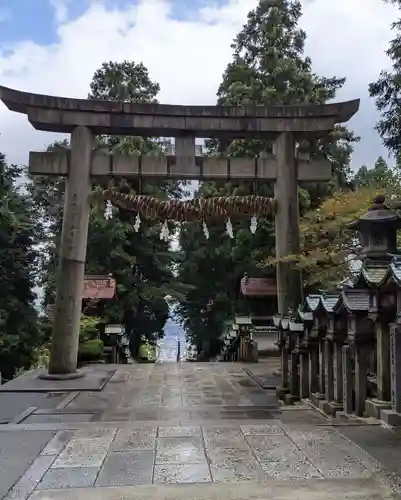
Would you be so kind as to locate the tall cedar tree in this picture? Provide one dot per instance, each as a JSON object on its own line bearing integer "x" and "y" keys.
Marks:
{"x": 19, "y": 334}
{"x": 268, "y": 67}
{"x": 140, "y": 262}
{"x": 386, "y": 92}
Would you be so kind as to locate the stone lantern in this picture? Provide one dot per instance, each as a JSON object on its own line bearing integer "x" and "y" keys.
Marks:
{"x": 377, "y": 230}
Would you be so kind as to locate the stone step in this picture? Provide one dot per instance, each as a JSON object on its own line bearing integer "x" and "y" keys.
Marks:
{"x": 336, "y": 489}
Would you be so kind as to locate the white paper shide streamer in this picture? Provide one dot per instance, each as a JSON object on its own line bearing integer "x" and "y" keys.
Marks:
{"x": 254, "y": 224}
{"x": 164, "y": 233}
{"x": 229, "y": 228}
{"x": 137, "y": 224}
{"x": 205, "y": 230}
{"x": 108, "y": 212}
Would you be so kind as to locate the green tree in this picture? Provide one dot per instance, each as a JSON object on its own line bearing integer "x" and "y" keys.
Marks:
{"x": 47, "y": 194}
{"x": 139, "y": 261}
{"x": 268, "y": 67}
{"x": 125, "y": 81}
{"x": 328, "y": 247}
{"x": 19, "y": 333}
{"x": 380, "y": 176}
{"x": 386, "y": 91}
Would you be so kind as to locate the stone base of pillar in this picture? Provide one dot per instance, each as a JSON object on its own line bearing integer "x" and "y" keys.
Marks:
{"x": 316, "y": 397}
{"x": 335, "y": 407}
{"x": 374, "y": 407}
{"x": 324, "y": 406}
{"x": 329, "y": 408}
{"x": 391, "y": 417}
{"x": 281, "y": 392}
{"x": 290, "y": 399}
{"x": 61, "y": 376}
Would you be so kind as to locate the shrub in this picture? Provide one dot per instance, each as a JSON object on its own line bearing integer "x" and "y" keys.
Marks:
{"x": 89, "y": 328}
{"x": 91, "y": 350}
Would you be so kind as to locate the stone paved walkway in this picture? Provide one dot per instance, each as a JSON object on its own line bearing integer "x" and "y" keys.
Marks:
{"x": 188, "y": 431}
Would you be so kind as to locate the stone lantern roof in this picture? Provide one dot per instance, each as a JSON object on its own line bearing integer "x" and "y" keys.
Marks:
{"x": 350, "y": 300}
{"x": 329, "y": 302}
{"x": 354, "y": 301}
{"x": 312, "y": 303}
{"x": 379, "y": 212}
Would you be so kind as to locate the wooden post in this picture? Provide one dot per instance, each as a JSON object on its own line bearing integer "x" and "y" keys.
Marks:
{"x": 393, "y": 416}
{"x": 322, "y": 368}
{"x": 313, "y": 370}
{"x": 383, "y": 361}
{"x": 329, "y": 366}
{"x": 338, "y": 373}
{"x": 348, "y": 380}
{"x": 289, "y": 283}
{"x": 74, "y": 236}
{"x": 395, "y": 357}
{"x": 360, "y": 379}
{"x": 293, "y": 395}
{"x": 241, "y": 349}
{"x": 284, "y": 359}
{"x": 304, "y": 374}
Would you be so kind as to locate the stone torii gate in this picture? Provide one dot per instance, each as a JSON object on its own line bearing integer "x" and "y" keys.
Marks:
{"x": 83, "y": 119}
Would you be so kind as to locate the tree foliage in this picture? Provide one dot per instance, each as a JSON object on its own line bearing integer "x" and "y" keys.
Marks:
{"x": 329, "y": 251}
{"x": 328, "y": 247}
{"x": 386, "y": 91}
{"x": 139, "y": 261}
{"x": 380, "y": 176}
{"x": 19, "y": 334}
{"x": 47, "y": 195}
{"x": 125, "y": 81}
{"x": 268, "y": 67}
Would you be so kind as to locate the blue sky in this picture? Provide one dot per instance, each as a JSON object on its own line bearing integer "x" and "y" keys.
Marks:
{"x": 33, "y": 20}
{"x": 36, "y": 20}
{"x": 55, "y": 46}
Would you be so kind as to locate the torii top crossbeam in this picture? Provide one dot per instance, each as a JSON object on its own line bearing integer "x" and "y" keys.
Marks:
{"x": 63, "y": 114}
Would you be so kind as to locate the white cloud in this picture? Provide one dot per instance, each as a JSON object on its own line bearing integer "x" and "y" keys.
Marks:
{"x": 188, "y": 57}
{"x": 61, "y": 9}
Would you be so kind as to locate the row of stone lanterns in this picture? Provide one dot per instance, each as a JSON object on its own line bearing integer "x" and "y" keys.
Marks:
{"x": 237, "y": 341}
{"x": 342, "y": 351}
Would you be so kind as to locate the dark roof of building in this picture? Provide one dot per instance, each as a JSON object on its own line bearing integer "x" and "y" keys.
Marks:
{"x": 99, "y": 288}
{"x": 258, "y": 287}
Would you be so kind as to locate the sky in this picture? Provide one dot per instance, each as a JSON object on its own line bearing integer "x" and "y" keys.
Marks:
{"x": 55, "y": 46}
